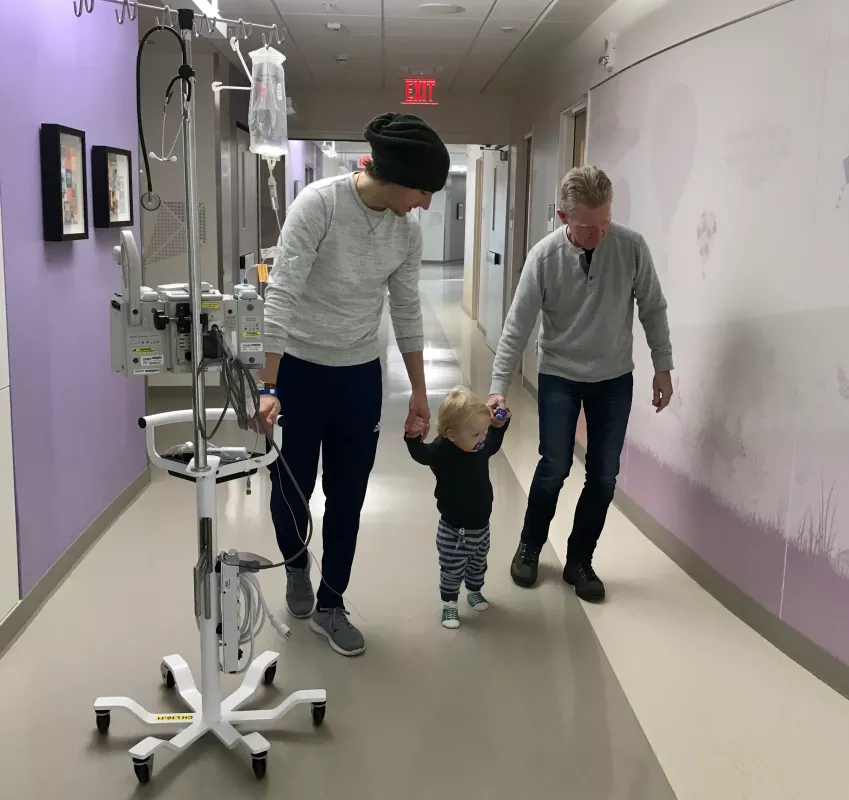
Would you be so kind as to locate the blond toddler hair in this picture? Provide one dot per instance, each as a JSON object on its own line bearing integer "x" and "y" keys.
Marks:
{"x": 458, "y": 408}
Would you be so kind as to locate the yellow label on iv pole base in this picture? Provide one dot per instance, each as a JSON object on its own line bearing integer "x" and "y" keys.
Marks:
{"x": 144, "y": 350}
{"x": 251, "y": 334}
{"x": 262, "y": 273}
{"x": 211, "y": 305}
{"x": 175, "y": 717}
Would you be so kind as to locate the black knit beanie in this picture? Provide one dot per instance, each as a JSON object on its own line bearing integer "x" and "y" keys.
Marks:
{"x": 405, "y": 150}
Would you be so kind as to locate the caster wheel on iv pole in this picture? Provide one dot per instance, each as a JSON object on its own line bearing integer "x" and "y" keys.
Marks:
{"x": 143, "y": 770}
{"x": 270, "y": 674}
{"x": 103, "y": 720}
{"x": 260, "y": 762}
{"x": 318, "y": 712}
{"x": 167, "y": 677}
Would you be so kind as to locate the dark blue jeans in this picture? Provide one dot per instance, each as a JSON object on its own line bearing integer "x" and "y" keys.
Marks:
{"x": 607, "y": 406}
{"x": 334, "y": 412}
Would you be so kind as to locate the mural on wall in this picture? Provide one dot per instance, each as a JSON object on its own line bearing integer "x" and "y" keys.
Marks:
{"x": 705, "y": 234}
{"x": 845, "y": 182}
{"x": 749, "y": 465}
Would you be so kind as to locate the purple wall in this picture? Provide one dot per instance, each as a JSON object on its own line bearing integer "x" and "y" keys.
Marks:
{"x": 76, "y": 444}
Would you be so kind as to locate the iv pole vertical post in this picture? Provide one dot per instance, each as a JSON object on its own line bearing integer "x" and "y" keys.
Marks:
{"x": 192, "y": 224}
{"x": 204, "y": 476}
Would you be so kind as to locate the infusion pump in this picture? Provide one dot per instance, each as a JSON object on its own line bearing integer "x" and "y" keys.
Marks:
{"x": 151, "y": 329}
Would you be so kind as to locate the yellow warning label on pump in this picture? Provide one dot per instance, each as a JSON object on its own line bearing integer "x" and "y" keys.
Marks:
{"x": 175, "y": 717}
{"x": 262, "y": 273}
{"x": 211, "y": 305}
{"x": 144, "y": 350}
{"x": 251, "y": 334}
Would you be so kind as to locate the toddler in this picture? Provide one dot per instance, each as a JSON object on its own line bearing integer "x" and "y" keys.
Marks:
{"x": 467, "y": 437}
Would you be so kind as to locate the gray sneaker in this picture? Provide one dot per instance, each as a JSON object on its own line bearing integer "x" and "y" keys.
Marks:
{"x": 333, "y": 624}
{"x": 300, "y": 598}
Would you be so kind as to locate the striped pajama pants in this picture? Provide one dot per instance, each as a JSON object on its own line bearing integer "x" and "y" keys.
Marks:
{"x": 462, "y": 557}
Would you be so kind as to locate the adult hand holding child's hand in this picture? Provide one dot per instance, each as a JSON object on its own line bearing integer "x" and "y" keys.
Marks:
{"x": 415, "y": 428}
{"x": 496, "y": 404}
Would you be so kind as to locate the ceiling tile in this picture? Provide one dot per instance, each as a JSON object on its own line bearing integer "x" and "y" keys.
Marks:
{"x": 351, "y": 46}
{"x": 315, "y": 25}
{"x": 474, "y": 9}
{"x": 584, "y": 11}
{"x": 493, "y": 48}
{"x": 520, "y": 9}
{"x": 553, "y": 36}
{"x": 243, "y": 8}
{"x": 493, "y": 28}
{"x": 433, "y": 27}
{"x": 476, "y": 71}
{"x": 434, "y": 51}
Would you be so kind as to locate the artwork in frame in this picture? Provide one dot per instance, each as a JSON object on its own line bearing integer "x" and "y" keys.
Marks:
{"x": 111, "y": 187}
{"x": 461, "y": 211}
{"x": 64, "y": 192}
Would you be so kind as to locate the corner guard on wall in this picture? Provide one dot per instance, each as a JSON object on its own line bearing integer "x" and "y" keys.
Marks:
{"x": 17, "y": 620}
{"x": 819, "y": 662}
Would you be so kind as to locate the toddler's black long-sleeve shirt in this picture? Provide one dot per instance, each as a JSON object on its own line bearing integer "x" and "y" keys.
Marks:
{"x": 463, "y": 489}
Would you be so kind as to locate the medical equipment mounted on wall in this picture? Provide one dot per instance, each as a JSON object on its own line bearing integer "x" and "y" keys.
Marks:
{"x": 192, "y": 328}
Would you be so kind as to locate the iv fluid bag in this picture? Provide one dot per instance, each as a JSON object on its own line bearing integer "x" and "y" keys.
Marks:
{"x": 267, "y": 113}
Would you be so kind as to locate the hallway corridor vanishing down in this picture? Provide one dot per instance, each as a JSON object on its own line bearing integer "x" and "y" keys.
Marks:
{"x": 520, "y": 702}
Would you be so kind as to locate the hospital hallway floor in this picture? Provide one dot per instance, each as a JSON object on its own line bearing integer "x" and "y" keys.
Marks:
{"x": 539, "y": 697}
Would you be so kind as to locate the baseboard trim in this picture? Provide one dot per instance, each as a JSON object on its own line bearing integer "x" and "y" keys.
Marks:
{"x": 17, "y": 620}
{"x": 809, "y": 655}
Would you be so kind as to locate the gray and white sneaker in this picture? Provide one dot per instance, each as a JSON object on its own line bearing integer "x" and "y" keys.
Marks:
{"x": 333, "y": 624}
{"x": 300, "y": 598}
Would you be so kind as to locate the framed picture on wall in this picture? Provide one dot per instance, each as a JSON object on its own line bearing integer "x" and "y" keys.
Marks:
{"x": 461, "y": 211}
{"x": 64, "y": 181}
{"x": 111, "y": 187}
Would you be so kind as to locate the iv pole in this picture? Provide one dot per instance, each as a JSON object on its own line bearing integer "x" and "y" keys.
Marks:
{"x": 208, "y": 712}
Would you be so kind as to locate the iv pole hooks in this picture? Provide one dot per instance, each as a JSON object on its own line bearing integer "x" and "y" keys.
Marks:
{"x": 128, "y": 11}
{"x": 204, "y": 24}
{"x": 83, "y": 5}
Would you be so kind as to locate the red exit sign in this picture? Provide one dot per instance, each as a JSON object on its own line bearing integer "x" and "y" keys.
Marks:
{"x": 419, "y": 92}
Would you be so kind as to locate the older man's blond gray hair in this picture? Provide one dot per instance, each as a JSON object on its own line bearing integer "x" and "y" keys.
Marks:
{"x": 585, "y": 186}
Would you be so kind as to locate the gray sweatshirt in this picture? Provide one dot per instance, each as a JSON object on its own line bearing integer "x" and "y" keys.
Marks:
{"x": 587, "y": 317}
{"x": 328, "y": 285}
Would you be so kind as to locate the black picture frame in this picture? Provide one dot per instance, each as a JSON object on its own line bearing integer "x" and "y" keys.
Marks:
{"x": 64, "y": 183}
{"x": 104, "y": 160}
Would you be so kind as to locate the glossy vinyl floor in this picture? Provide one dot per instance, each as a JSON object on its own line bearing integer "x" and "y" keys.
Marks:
{"x": 519, "y": 703}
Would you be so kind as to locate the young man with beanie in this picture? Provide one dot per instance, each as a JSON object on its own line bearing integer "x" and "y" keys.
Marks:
{"x": 347, "y": 240}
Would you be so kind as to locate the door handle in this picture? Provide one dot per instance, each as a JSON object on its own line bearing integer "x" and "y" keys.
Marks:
{"x": 496, "y": 257}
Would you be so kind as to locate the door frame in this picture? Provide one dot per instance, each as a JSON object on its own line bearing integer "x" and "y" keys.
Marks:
{"x": 476, "y": 261}
{"x": 519, "y": 206}
{"x": 566, "y": 145}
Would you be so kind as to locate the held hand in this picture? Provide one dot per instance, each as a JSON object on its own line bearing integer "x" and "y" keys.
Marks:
{"x": 495, "y": 402}
{"x": 419, "y": 409}
{"x": 662, "y": 390}
{"x": 499, "y": 417}
{"x": 416, "y": 429}
{"x": 269, "y": 410}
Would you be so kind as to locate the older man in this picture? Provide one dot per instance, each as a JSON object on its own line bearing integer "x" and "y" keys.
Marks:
{"x": 584, "y": 278}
